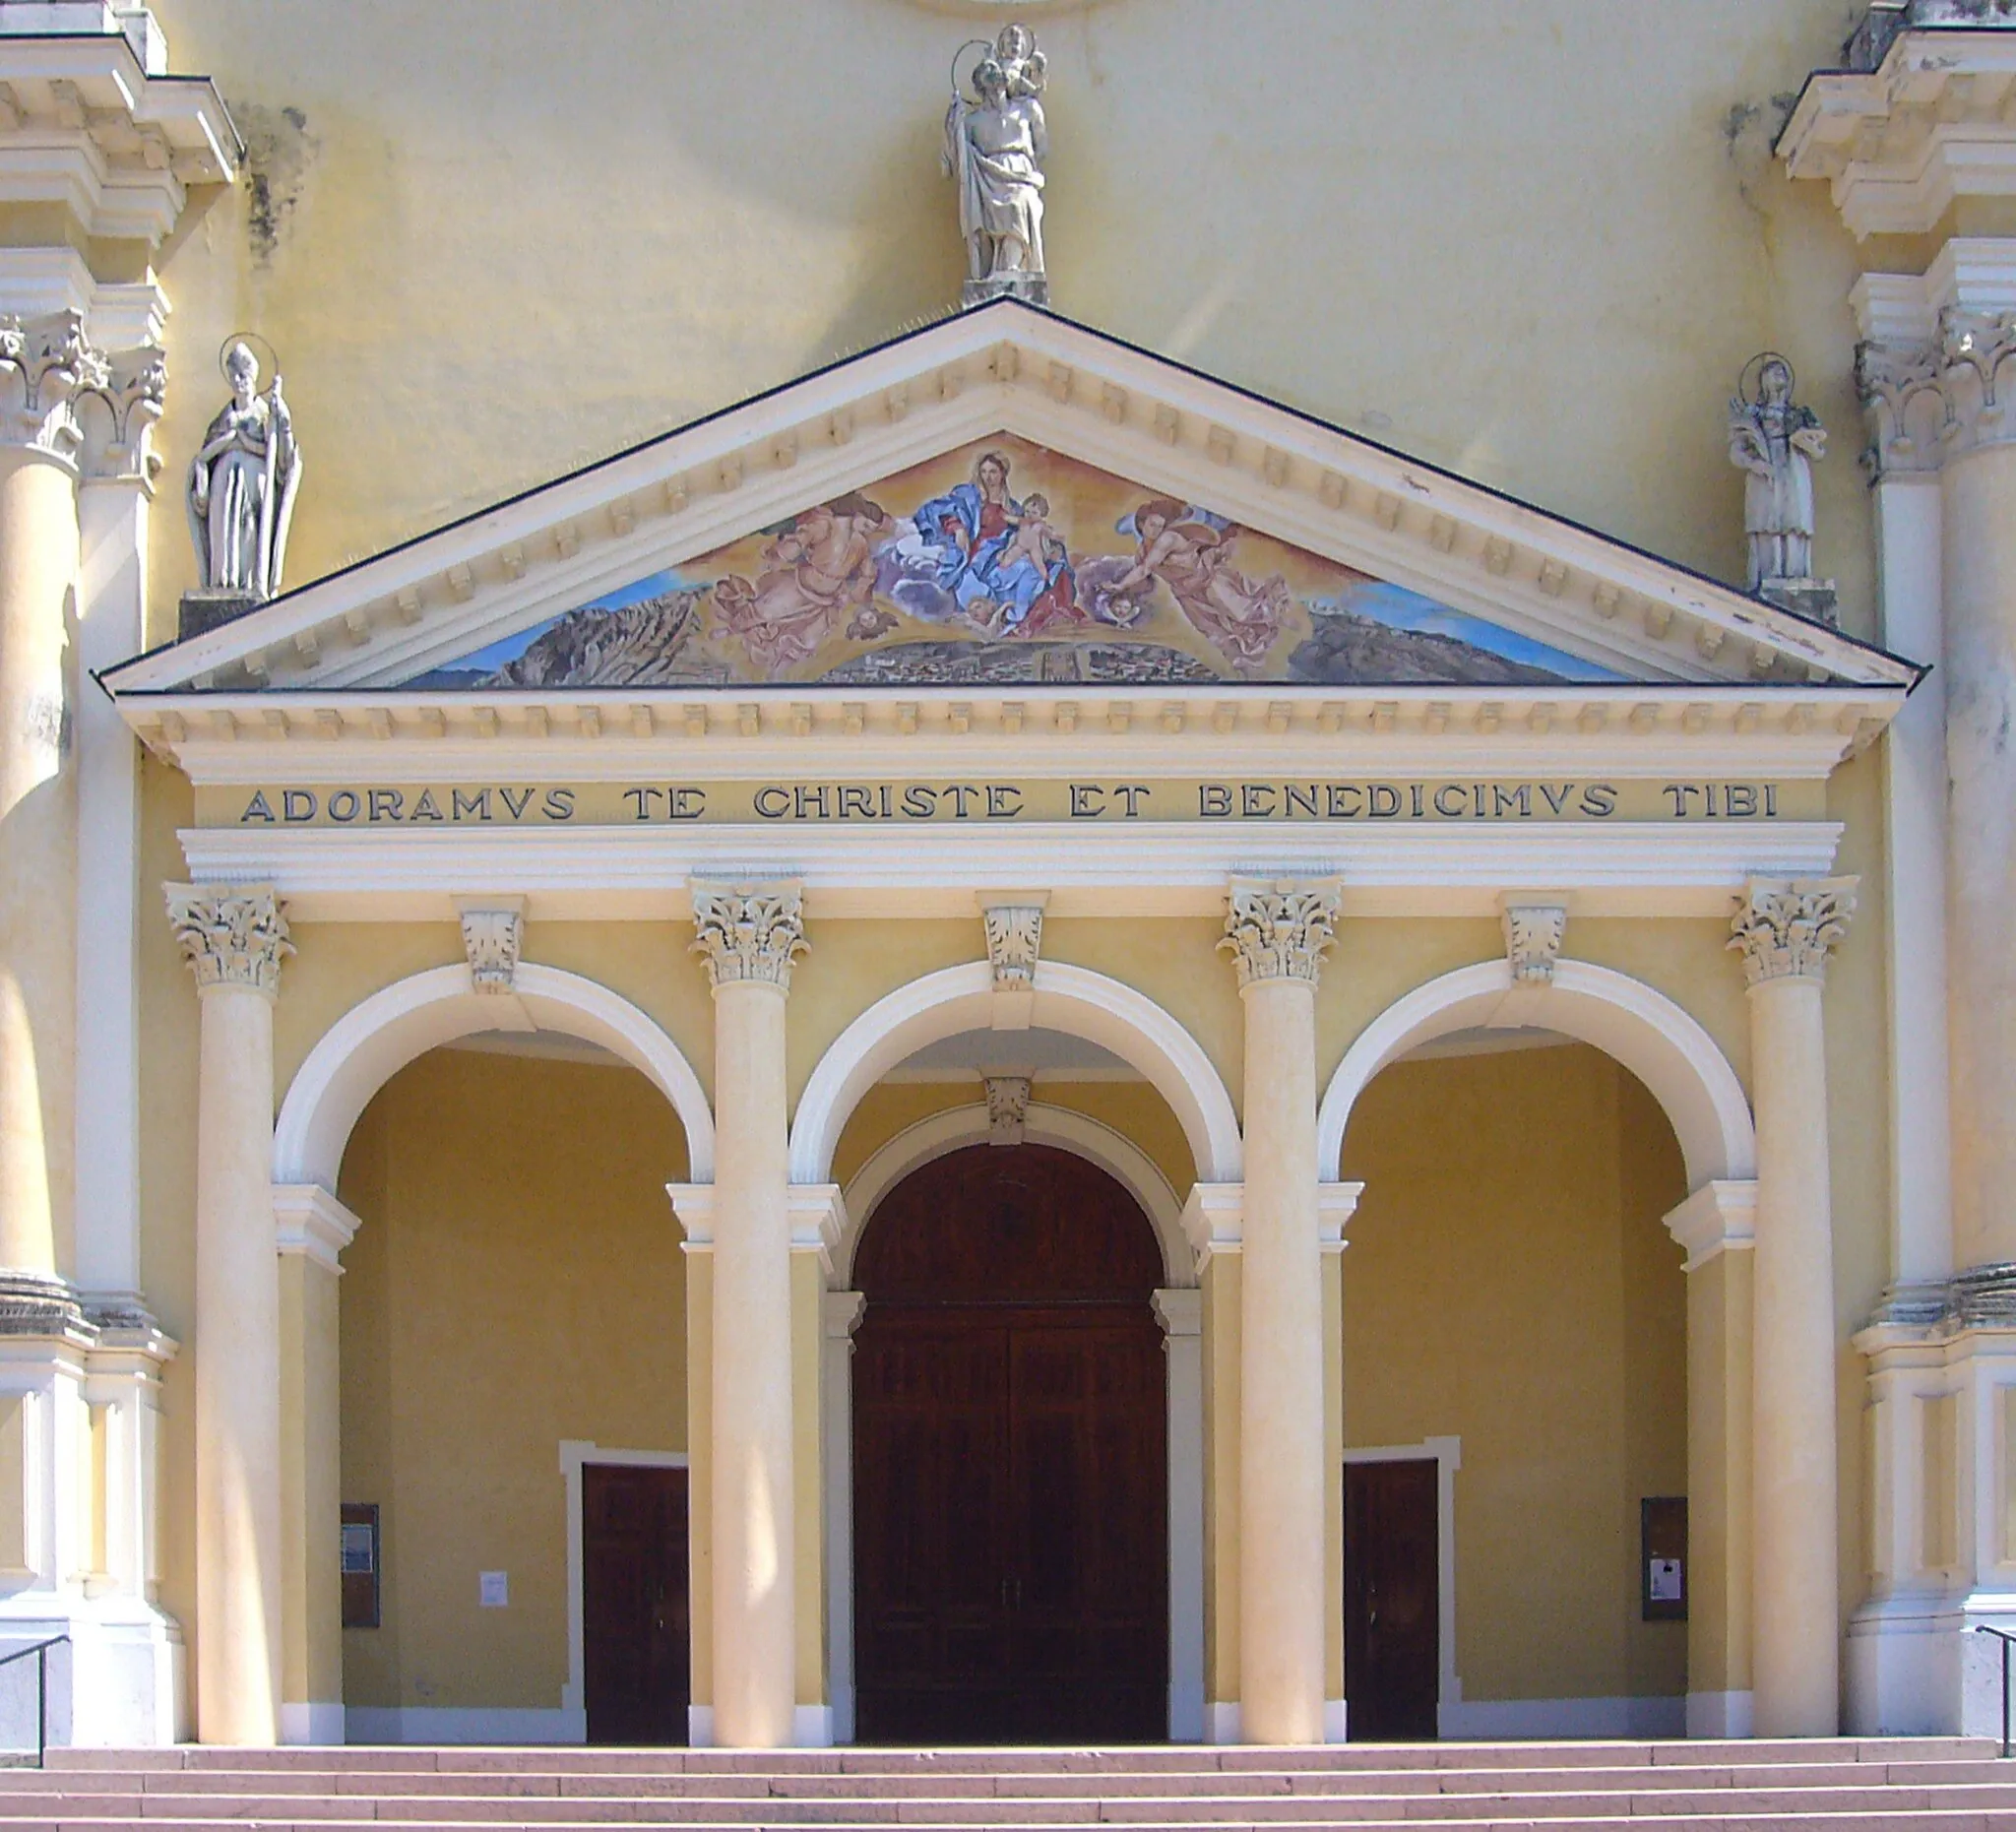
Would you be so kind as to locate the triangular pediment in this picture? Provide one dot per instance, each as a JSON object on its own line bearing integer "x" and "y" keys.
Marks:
{"x": 1007, "y": 498}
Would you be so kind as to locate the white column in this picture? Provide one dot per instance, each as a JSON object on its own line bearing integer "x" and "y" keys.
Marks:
{"x": 1182, "y": 1311}
{"x": 749, "y": 934}
{"x": 113, "y": 508}
{"x": 234, "y": 937}
{"x": 1277, "y": 932}
{"x": 843, "y": 1316}
{"x": 1784, "y": 930}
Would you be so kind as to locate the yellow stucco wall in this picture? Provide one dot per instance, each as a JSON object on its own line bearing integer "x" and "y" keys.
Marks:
{"x": 516, "y": 1280}
{"x": 1509, "y": 1283}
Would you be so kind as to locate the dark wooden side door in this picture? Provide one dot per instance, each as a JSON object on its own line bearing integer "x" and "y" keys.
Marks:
{"x": 1011, "y": 1558}
{"x": 634, "y": 1616}
{"x": 1392, "y": 1602}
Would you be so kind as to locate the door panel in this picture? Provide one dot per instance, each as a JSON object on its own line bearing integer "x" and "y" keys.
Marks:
{"x": 1391, "y": 1609}
{"x": 1011, "y": 1459}
{"x": 635, "y": 1615}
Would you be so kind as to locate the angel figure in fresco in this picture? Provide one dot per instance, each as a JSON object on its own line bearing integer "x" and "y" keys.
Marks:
{"x": 818, "y": 571}
{"x": 997, "y": 559}
{"x": 1190, "y": 550}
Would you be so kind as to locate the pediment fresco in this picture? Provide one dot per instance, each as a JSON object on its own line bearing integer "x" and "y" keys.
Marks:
{"x": 1004, "y": 562}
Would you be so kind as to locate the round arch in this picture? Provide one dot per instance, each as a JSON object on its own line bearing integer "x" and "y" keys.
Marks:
{"x": 377, "y": 1037}
{"x": 1059, "y": 1128}
{"x": 1072, "y": 999}
{"x": 1652, "y": 1037}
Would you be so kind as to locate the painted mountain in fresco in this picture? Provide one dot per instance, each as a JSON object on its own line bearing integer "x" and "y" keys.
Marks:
{"x": 1006, "y": 563}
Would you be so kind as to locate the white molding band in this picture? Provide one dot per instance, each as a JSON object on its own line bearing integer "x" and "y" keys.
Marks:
{"x": 1628, "y": 868}
{"x": 1071, "y": 999}
{"x": 1214, "y": 1217}
{"x": 1059, "y": 1127}
{"x": 378, "y": 1036}
{"x": 575, "y": 1454}
{"x": 1655, "y": 1038}
{"x": 307, "y": 1220}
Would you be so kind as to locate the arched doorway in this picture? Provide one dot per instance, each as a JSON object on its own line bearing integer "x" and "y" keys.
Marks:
{"x": 1011, "y": 1468}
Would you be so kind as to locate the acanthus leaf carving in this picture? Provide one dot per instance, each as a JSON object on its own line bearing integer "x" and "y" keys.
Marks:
{"x": 1533, "y": 933}
{"x": 749, "y": 931}
{"x": 1928, "y": 402}
{"x": 117, "y": 441}
{"x": 1007, "y": 1109}
{"x": 1277, "y": 928}
{"x": 1785, "y": 927}
{"x": 45, "y": 361}
{"x": 1015, "y": 935}
{"x": 492, "y": 938}
{"x": 231, "y": 934}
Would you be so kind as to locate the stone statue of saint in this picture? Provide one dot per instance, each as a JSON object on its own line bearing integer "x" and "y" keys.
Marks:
{"x": 1775, "y": 442}
{"x": 996, "y": 141}
{"x": 241, "y": 486}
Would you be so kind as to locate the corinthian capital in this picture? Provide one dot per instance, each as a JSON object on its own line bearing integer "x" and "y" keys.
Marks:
{"x": 116, "y": 414}
{"x": 1929, "y": 402}
{"x": 44, "y": 362}
{"x": 1785, "y": 926}
{"x": 231, "y": 934}
{"x": 749, "y": 931}
{"x": 1277, "y": 928}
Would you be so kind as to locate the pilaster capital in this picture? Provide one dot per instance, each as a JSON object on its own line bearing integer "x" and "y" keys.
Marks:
{"x": 1277, "y": 928}
{"x": 749, "y": 931}
{"x": 231, "y": 934}
{"x": 116, "y": 416}
{"x": 1785, "y": 927}
{"x": 1929, "y": 402}
{"x": 44, "y": 365}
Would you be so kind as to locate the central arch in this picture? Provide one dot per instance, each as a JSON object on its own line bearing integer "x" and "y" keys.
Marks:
{"x": 1012, "y": 1469}
{"x": 1071, "y": 999}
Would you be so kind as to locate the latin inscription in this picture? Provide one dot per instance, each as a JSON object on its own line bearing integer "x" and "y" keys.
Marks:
{"x": 601, "y": 804}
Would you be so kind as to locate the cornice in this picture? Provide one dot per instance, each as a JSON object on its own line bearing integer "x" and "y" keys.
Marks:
{"x": 84, "y": 125}
{"x": 1713, "y": 730}
{"x": 1006, "y": 368}
{"x": 1933, "y": 123}
{"x": 1636, "y": 869}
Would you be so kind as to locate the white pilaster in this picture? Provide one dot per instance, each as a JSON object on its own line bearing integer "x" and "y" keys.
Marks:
{"x": 1182, "y": 1311}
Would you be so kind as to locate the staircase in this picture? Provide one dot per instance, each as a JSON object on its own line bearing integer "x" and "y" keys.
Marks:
{"x": 1854, "y": 1785}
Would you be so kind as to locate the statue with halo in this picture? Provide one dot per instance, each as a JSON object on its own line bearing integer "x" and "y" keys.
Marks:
{"x": 1775, "y": 442}
{"x": 242, "y": 490}
{"x": 995, "y": 143}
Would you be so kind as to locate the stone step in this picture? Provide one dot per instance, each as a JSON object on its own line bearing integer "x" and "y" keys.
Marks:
{"x": 1888, "y": 1820}
{"x": 21, "y": 1788}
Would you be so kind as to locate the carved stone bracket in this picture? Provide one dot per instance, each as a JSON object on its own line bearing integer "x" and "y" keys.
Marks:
{"x": 1007, "y": 1109}
{"x": 1277, "y": 928}
{"x": 231, "y": 934}
{"x": 491, "y": 936}
{"x": 1533, "y": 933}
{"x": 749, "y": 931}
{"x": 1785, "y": 927}
{"x": 1015, "y": 935}
{"x": 1928, "y": 402}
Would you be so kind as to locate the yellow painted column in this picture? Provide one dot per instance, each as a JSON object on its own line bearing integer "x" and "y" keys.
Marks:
{"x": 1979, "y": 510}
{"x": 1784, "y": 930}
{"x": 38, "y": 574}
{"x": 749, "y": 936}
{"x": 1275, "y": 933}
{"x": 235, "y": 937}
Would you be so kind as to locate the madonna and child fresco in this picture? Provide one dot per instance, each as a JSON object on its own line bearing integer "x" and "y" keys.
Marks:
{"x": 1004, "y": 562}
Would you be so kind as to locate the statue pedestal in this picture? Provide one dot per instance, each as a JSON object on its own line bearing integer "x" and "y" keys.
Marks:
{"x": 1030, "y": 288}
{"x": 206, "y": 610}
{"x": 1812, "y": 599}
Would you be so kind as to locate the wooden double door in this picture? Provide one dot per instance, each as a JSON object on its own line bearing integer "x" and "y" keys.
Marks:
{"x": 1011, "y": 1483}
